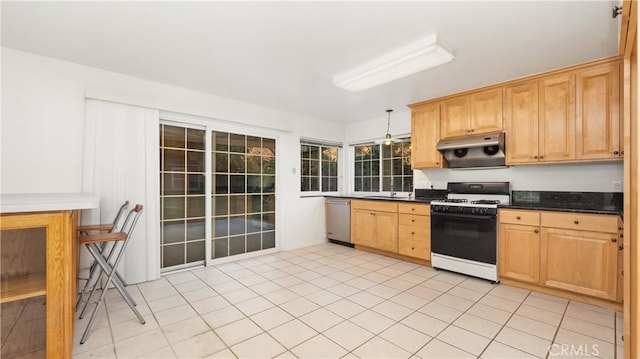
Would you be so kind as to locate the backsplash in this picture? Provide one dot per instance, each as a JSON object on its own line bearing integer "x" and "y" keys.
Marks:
{"x": 576, "y": 177}
{"x": 576, "y": 200}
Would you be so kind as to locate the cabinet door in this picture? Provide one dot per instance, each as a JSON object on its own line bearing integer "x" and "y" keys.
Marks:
{"x": 386, "y": 231}
{"x": 425, "y": 134}
{"x": 519, "y": 256}
{"x": 362, "y": 227}
{"x": 521, "y": 122}
{"x": 486, "y": 111}
{"x": 557, "y": 119}
{"x": 598, "y": 112}
{"x": 455, "y": 118}
{"x": 579, "y": 261}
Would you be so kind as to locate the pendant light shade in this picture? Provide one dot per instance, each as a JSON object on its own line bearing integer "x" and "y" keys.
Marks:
{"x": 388, "y": 140}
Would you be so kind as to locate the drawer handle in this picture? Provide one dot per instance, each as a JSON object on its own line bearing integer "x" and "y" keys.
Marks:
{"x": 576, "y": 222}
{"x": 536, "y": 231}
{"x": 518, "y": 218}
{"x": 614, "y": 240}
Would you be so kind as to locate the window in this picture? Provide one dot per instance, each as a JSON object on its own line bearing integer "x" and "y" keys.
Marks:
{"x": 395, "y": 161}
{"x": 319, "y": 167}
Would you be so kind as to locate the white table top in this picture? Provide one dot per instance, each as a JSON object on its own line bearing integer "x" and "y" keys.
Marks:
{"x": 39, "y": 202}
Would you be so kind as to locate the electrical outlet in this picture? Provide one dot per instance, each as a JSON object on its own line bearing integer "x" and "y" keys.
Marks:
{"x": 617, "y": 186}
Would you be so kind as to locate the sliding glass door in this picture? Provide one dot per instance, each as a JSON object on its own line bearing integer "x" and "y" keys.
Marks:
{"x": 242, "y": 214}
{"x": 182, "y": 195}
{"x": 243, "y": 194}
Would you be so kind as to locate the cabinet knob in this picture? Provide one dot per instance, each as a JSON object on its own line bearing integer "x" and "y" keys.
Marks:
{"x": 437, "y": 163}
{"x": 535, "y": 231}
{"x": 535, "y": 157}
{"x": 614, "y": 240}
{"x": 472, "y": 130}
{"x": 576, "y": 222}
{"x": 541, "y": 157}
{"x": 413, "y": 209}
{"x": 620, "y": 247}
{"x": 616, "y": 153}
{"x": 413, "y": 248}
{"x": 518, "y": 218}
{"x": 413, "y": 221}
{"x": 412, "y": 233}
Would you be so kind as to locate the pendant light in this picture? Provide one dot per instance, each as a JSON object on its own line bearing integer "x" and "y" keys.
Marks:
{"x": 388, "y": 140}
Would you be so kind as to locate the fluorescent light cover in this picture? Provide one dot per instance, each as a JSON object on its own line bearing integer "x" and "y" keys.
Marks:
{"x": 408, "y": 60}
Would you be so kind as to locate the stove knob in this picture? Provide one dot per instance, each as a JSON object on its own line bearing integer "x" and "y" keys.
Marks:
{"x": 483, "y": 210}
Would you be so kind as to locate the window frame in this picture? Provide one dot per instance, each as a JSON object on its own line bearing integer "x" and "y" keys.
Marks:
{"x": 320, "y": 144}
{"x": 380, "y": 165}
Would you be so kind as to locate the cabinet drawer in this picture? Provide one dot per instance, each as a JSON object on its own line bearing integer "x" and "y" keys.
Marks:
{"x": 412, "y": 208}
{"x": 413, "y": 232}
{"x": 580, "y": 221}
{"x": 415, "y": 248}
{"x": 527, "y": 218}
{"x": 382, "y": 206}
{"x": 414, "y": 220}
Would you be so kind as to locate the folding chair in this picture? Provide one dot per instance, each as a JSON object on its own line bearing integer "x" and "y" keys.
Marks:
{"x": 99, "y": 228}
{"x": 105, "y": 266}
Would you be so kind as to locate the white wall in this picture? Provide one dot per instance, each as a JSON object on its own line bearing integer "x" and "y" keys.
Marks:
{"x": 586, "y": 177}
{"x": 43, "y": 121}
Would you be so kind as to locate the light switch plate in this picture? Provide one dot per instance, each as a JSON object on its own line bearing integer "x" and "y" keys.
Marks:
{"x": 617, "y": 186}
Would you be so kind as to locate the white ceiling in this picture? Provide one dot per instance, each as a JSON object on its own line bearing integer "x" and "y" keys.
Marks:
{"x": 283, "y": 54}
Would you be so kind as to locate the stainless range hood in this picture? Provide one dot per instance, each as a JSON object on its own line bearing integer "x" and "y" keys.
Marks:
{"x": 473, "y": 151}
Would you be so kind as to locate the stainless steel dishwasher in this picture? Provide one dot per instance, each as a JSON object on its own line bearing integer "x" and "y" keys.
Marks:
{"x": 338, "y": 220}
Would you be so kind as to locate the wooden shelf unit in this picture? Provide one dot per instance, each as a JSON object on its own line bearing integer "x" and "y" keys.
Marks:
{"x": 20, "y": 287}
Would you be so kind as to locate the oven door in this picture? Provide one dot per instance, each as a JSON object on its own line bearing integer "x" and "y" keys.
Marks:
{"x": 467, "y": 236}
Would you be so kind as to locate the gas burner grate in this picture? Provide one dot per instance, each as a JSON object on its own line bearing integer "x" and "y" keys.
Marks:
{"x": 486, "y": 201}
{"x": 455, "y": 200}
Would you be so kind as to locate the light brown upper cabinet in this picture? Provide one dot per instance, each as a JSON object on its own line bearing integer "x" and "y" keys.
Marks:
{"x": 521, "y": 125}
{"x": 425, "y": 134}
{"x": 479, "y": 112}
{"x": 557, "y": 121}
{"x": 598, "y": 116}
{"x": 566, "y": 115}
{"x": 540, "y": 120}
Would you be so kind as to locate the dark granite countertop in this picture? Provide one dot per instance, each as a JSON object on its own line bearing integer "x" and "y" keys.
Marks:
{"x": 421, "y": 196}
{"x": 580, "y": 202}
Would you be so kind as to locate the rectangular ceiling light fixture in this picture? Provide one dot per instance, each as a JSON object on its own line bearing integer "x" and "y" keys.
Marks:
{"x": 408, "y": 60}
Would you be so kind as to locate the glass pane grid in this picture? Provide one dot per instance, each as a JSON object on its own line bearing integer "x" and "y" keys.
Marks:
{"x": 381, "y": 167}
{"x": 318, "y": 168}
{"x": 242, "y": 193}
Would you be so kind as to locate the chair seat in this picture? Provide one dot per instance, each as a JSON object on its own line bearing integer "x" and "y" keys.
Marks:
{"x": 104, "y": 237}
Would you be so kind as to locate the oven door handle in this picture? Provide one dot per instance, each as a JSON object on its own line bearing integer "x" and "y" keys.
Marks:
{"x": 460, "y": 215}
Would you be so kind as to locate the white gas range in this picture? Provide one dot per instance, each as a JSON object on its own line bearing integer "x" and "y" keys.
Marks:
{"x": 464, "y": 228}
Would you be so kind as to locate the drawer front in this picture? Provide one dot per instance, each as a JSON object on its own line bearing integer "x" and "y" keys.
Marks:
{"x": 413, "y": 208}
{"x": 580, "y": 221}
{"x": 417, "y": 233}
{"x": 417, "y": 249}
{"x": 527, "y": 218}
{"x": 414, "y": 220}
{"x": 382, "y": 206}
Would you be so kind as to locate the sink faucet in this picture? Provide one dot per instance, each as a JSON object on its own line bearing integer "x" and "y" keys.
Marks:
{"x": 393, "y": 194}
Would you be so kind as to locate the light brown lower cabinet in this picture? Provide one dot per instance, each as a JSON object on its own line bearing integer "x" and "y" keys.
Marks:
{"x": 414, "y": 230}
{"x": 519, "y": 252}
{"x": 395, "y": 228}
{"x": 579, "y": 261}
{"x": 575, "y": 252}
{"x": 375, "y": 224}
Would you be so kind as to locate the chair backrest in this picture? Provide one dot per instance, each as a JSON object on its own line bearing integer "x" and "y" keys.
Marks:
{"x": 116, "y": 220}
{"x": 131, "y": 220}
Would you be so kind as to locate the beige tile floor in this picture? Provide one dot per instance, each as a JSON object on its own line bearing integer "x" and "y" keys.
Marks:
{"x": 330, "y": 301}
